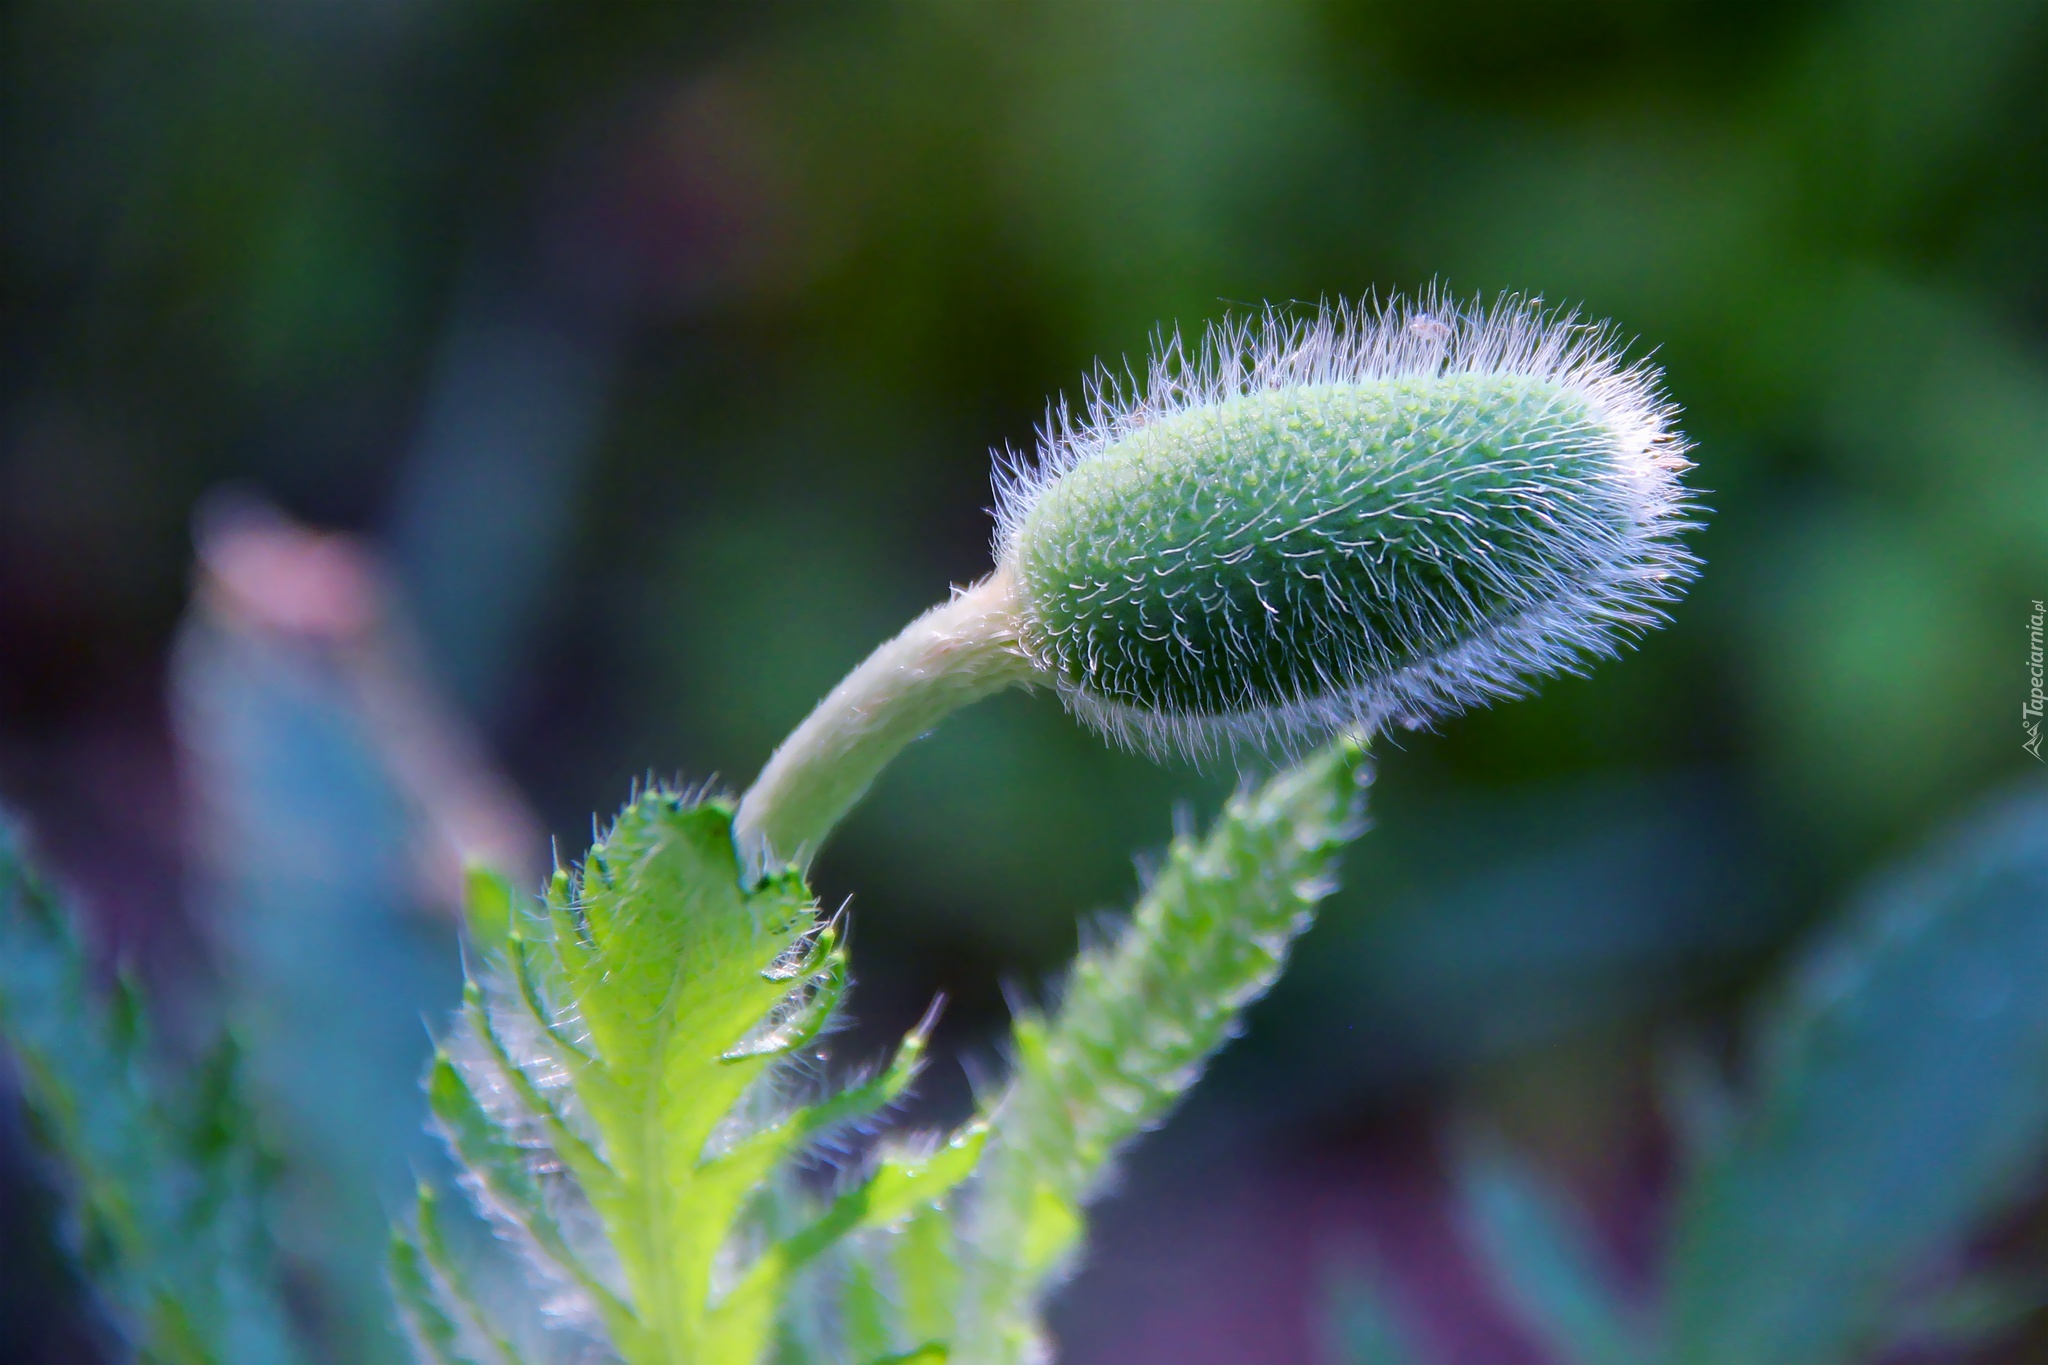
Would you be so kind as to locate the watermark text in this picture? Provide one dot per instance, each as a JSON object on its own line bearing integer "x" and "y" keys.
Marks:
{"x": 2030, "y": 713}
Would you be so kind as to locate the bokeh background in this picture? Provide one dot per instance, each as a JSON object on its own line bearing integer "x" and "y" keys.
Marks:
{"x": 649, "y": 357}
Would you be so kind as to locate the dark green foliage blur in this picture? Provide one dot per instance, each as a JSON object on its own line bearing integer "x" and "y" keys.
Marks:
{"x": 663, "y": 345}
{"x": 1825, "y": 1211}
{"x": 161, "y": 1176}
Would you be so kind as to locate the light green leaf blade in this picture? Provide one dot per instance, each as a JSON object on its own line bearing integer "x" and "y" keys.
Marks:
{"x": 436, "y": 1307}
{"x": 1138, "y": 1021}
{"x": 611, "y": 1088}
{"x": 900, "y": 1185}
{"x": 925, "y": 1262}
{"x": 429, "y": 1323}
{"x": 487, "y": 908}
{"x": 931, "y": 1353}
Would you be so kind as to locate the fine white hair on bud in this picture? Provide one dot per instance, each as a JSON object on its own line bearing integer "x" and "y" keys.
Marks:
{"x": 1372, "y": 514}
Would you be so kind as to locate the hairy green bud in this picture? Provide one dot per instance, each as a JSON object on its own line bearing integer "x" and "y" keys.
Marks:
{"x": 1303, "y": 526}
{"x": 1361, "y": 518}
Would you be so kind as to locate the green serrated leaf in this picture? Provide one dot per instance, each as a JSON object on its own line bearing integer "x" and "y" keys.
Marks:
{"x": 626, "y": 1028}
{"x": 578, "y": 1155}
{"x": 931, "y": 1353}
{"x": 827, "y": 987}
{"x": 452, "y": 1283}
{"x": 1138, "y": 1021}
{"x": 926, "y": 1266}
{"x": 429, "y": 1325}
{"x": 751, "y": 1159}
{"x": 899, "y": 1185}
{"x": 504, "y": 1168}
{"x": 865, "y": 1313}
{"x": 526, "y": 978}
{"x": 902, "y": 1184}
{"x": 487, "y": 908}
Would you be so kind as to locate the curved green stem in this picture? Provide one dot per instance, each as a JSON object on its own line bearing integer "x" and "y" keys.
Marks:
{"x": 956, "y": 653}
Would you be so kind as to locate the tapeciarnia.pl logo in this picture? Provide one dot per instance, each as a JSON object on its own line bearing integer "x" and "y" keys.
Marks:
{"x": 2030, "y": 713}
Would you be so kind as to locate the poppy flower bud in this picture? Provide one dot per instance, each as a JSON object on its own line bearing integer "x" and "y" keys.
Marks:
{"x": 1369, "y": 516}
{"x": 1359, "y": 518}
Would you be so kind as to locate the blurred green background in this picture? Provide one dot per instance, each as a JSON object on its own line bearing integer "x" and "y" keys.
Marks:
{"x": 662, "y": 348}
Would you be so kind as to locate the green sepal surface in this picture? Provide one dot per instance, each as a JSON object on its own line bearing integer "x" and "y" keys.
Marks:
{"x": 1251, "y": 552}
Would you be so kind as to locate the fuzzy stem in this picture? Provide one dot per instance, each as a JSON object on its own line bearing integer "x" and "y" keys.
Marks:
{"x": 955, "y": 654}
